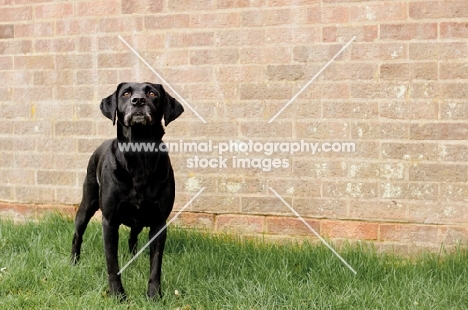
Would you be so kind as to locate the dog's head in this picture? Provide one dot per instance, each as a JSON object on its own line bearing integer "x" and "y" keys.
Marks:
{"x": 141, "y": 104}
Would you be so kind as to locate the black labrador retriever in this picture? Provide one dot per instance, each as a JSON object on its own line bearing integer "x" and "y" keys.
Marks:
{"x": 130, "y": 187}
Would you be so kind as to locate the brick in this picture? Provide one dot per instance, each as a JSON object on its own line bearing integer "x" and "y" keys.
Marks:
{"x": 296, "y": 188}
{"x": 424, "y": 71}
{"x": 190, "y": 39}
{"x": 194, "y": 220}
{"x": 167, "y": 21}
{"x": 187, "y": 5}
{"x": 410, "y": 151}
{"x": 32, "y": 93}
{"x": 320, "y": 208}
{"x": 15, "y": 47}
{"x": 285, "y": 72}
{"x": 379, "y": 130}
{"x": 439, "y": 131}
{"x": 237, "y": 74}
{"x": 74, "y": 93}
{"x": 349, "y": 189}
{"x": 454, "y": 90}
{"x": 55, "y": 45}
{"x": 436, "y": 213}
{"x": 316, "y": 168}
{"x": 394, "y": 171}
{"x": 235, "y": 4}
{"x": 453, "y": 70}
{"x": 80, "y": 26}
{"x": 8, "y": 14}
{"x": 416, "y": 234}
{"x": 349, "y": 71}
{"x": 240, "y": 223}
{"x": 395, "y": 71}
{"x": 387, "y": 11}
{"x": 55, "y": 178}
{"x": 234, "y": 37}
{"x": 265, "y": 18}
{"x": 411, "y": 190}
{"x": 116, "y": 60}
{"x": 142, "y": 7}
{"x": 214, "y": 56}
{"x": 290, "y": 226}
{"x": 275, "y": 3}
{"x": 72, "y": 128}
{"x": 55, "y": 145}
{"x": 215, "y": 20}
{"x": 438, "y": 172}
{"x": 322, "y": 130}
{"x": 452, "y": 235}
{"x": 454, "y": 152}
{"x": 291, "y": 35}
{"x": 419, "y": 109}
{"x": 97, "y": 8}
{"x": 114, "y": 24}
{"x": 224, "y": 204}
{"x": 32, "y": 127}
{"x": 211, "y": 130}
{"x": 264, "y": 91}
{"x": 437, "y": 9}
{"x": 320, "y": 53}
{"x": 6, "y": 63}
{"x": 454, "y": 30}
{"x": 34, "y": 194}
{"x": 350, "y": 230}
{"x": 350, "y": 109}
{"x": 454, "y": 192}
{"x": 7, "y": 31}
{"x": 418, "y": 31}
{"x": 378, "y": 211}
{"x": 264, "y": 206}
{"x": 14, "y": 176}
{"x": 34, "y": 63}
{"x": 344, "y": 34}
{"x": 56, "y": 10}
{"x": 38, "y": 29}
{"x": 277, "y": 129}
{"x": 264, "y": 55}
{"x": 338, "y": 14}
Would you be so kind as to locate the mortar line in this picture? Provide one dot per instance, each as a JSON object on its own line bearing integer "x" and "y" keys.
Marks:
{"x": 313, "y": 230}
{"x": 312, "y": 79}
{"x": 161, "y": 230}
{"x": 162, "y": 79}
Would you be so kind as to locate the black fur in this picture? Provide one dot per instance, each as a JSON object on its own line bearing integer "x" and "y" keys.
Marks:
{"x": 131, "y": 188}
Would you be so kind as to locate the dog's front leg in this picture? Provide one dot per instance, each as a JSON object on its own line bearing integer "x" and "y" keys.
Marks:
{"x": 156, "y": 253}
{"x": 111, "y": 242}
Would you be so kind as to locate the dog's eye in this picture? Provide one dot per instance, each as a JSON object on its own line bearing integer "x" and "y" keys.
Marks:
{"x": 152, "y": 94}
{"x": 126, "y": 94}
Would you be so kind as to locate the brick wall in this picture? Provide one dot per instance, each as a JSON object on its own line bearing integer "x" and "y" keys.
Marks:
{"x": 399, "y": 92}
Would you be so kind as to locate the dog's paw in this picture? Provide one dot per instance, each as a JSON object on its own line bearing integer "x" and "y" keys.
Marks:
{"x": 74, "y": 259}
{"x": 154, "y": 291}
{"x": 116, "y": 290}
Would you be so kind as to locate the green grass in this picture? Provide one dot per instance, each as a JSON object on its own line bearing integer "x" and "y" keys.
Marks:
{"x": 221, "y": 272}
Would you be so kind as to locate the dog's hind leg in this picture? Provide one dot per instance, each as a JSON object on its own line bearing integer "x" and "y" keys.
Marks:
{"x": 133, "y": 240}
{"x": 89, "y": 205}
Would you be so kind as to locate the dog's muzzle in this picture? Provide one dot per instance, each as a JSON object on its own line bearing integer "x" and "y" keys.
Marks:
{"x": 138, "y": 112}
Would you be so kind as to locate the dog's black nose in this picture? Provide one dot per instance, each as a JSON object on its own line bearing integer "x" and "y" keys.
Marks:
{"x": 138, "y": 100}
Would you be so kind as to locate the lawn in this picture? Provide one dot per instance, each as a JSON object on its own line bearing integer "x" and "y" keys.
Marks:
{"x": 221, "y": 272}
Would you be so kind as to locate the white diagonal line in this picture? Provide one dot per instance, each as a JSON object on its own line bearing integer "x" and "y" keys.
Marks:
{"x": 311, "y": 80}
{"x": 161, "y": 230}
{"x": 162, "y": 80}
{"x": 313, "y": 230}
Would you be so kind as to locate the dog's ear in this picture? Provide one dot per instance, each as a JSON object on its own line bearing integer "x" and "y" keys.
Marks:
{"x": 172, "y": 108}
{"x": 109, "y": 106}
